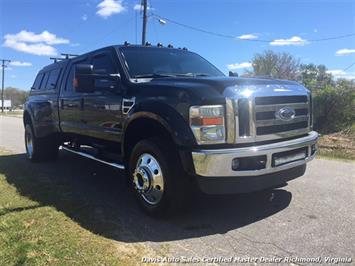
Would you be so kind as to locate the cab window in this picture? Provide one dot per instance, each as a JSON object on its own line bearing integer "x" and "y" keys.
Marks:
{"x": 53, "y": 79}
{"x": 103, "y": 64}
{"x": 44, "y": 81}
{"x": 37, "y": 83}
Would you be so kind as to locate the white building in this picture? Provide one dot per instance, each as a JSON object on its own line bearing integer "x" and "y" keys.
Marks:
{"x": 7, "y": 105}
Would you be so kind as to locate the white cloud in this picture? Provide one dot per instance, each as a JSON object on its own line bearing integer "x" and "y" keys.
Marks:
{"x": 109, "y": 7}
{"x": 139, "y": 7}
{"x": 28, "y": 36}
{"x": 37, "y": 44}
{"x": 338, "y": 73}
{"x": 239, "y": 65}
{"x": 295, "y": 40}
{"x": 247, "y": 37}
{"x": 20, "y": 64}
{"x": 36, "y": 49}
{"x": 84, "y": 17}
{"x": 345, "y": 51}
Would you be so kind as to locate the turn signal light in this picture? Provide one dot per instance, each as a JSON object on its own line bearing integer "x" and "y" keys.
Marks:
{"x": 207, "y": 121}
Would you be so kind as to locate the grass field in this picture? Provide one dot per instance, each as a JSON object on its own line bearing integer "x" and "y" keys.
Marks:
{"x": 13, "y": 113}
{"x": 38, "y": 232}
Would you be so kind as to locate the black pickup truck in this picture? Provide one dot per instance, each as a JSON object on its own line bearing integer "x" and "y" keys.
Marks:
{"x": 172, "y": 121}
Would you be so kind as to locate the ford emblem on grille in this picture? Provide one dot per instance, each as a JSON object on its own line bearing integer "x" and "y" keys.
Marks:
{"x": 286, "y": 113}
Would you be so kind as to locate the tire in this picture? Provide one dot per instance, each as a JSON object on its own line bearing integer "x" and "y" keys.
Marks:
{"x": 157, "y": 178}
{"x": 39, "y": 149}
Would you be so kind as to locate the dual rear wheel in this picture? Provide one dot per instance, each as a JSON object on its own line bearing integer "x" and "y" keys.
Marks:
{"x": 39, "y": 149}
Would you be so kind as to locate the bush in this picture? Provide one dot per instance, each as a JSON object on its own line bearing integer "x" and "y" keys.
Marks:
{"x": 333, "y": 107}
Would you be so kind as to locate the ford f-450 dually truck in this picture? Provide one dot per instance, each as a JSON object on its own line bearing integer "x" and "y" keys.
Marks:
{"x": 172, "y": 121}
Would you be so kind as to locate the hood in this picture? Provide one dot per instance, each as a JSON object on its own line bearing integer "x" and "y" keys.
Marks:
{"x": 221, "y": 87}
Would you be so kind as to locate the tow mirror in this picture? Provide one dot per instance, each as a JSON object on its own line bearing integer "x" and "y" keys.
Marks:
{"x": 233, "y": 74}
{"x": 84, "y": 80}
{"x": 87, "y": 79}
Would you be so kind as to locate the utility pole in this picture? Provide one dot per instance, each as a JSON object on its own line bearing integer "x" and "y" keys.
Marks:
{"x": 144, "y": 21}
{"x": 3, "y": 65}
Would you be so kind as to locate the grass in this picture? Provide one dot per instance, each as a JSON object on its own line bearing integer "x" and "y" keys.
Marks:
{"x": 336, "y": 154}
{"x": 12, "y": 114}
{"x": 39, "y": 232}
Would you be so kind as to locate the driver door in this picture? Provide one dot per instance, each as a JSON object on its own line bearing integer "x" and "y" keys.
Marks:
{"x": 101, "y": 111}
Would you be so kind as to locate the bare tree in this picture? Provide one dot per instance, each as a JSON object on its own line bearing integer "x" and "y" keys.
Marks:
{"x": 275, "y": 65}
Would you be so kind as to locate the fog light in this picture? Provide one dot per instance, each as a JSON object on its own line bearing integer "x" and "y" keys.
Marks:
{"x": 249, "y": 163}
{"x": 235, "y": 164}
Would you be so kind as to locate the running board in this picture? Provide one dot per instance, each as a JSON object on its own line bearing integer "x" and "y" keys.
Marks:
{"x": 89, "y": 156}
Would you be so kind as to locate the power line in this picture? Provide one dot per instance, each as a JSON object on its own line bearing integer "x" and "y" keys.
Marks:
{"x": 333, "y": 38}
{"x": 197, "y": 29}
{"x": 227, "y": 36}
{"x": 350, "y": 66}
{"x": 99, "y": 39}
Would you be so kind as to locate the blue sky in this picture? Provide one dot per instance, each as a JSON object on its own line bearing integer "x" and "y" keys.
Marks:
{"x": 32, "y": 31}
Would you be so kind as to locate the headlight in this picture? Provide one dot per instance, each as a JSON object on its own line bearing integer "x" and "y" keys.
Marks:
{"x": 207, "y": 123}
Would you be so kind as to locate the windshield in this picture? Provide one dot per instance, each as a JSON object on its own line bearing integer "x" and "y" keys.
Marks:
{"x": 160, "y": 62}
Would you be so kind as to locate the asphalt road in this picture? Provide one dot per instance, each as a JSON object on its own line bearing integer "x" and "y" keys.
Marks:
{"x": 313, "y": 216}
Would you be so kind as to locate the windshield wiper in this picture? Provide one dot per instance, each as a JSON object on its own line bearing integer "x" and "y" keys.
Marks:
{"x": 167, "y": 75}
{"x": 153, "y": 75}
{"x": 194, "y": 75}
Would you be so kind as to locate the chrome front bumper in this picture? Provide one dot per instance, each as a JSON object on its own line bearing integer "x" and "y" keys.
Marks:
{"x": 218, "y": 163}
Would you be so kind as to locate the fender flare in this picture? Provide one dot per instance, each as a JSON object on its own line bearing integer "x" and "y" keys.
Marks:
{"x": 171, "y": 121}
{"x": 28, "y": 111}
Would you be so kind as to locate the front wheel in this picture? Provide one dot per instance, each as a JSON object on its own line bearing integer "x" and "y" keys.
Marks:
{"x": 157, "y": 177}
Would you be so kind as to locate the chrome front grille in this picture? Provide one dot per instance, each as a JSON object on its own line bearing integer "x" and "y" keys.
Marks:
{"x": 266, "y": 120}
{"x": 256, "y": 119}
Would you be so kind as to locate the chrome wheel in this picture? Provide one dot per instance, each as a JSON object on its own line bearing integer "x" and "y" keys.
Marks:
{"x": 29, "y": 144}
{"x": 148, "y": 179}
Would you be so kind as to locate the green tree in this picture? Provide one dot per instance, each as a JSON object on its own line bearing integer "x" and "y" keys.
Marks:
{"x": 17, "y": 96}
{"x": 315, "y": 77}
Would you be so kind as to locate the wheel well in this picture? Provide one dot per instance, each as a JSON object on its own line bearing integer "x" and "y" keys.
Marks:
{"x": 143, "y": 128}
{"x": 27, "y": 118}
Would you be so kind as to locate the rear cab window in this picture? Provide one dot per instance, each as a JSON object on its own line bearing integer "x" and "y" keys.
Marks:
{"x": 44, "y": 81}
{"x": 37, "y": 83}
{"x": 47, "y": 80}
{"x": 53, "y": 79}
